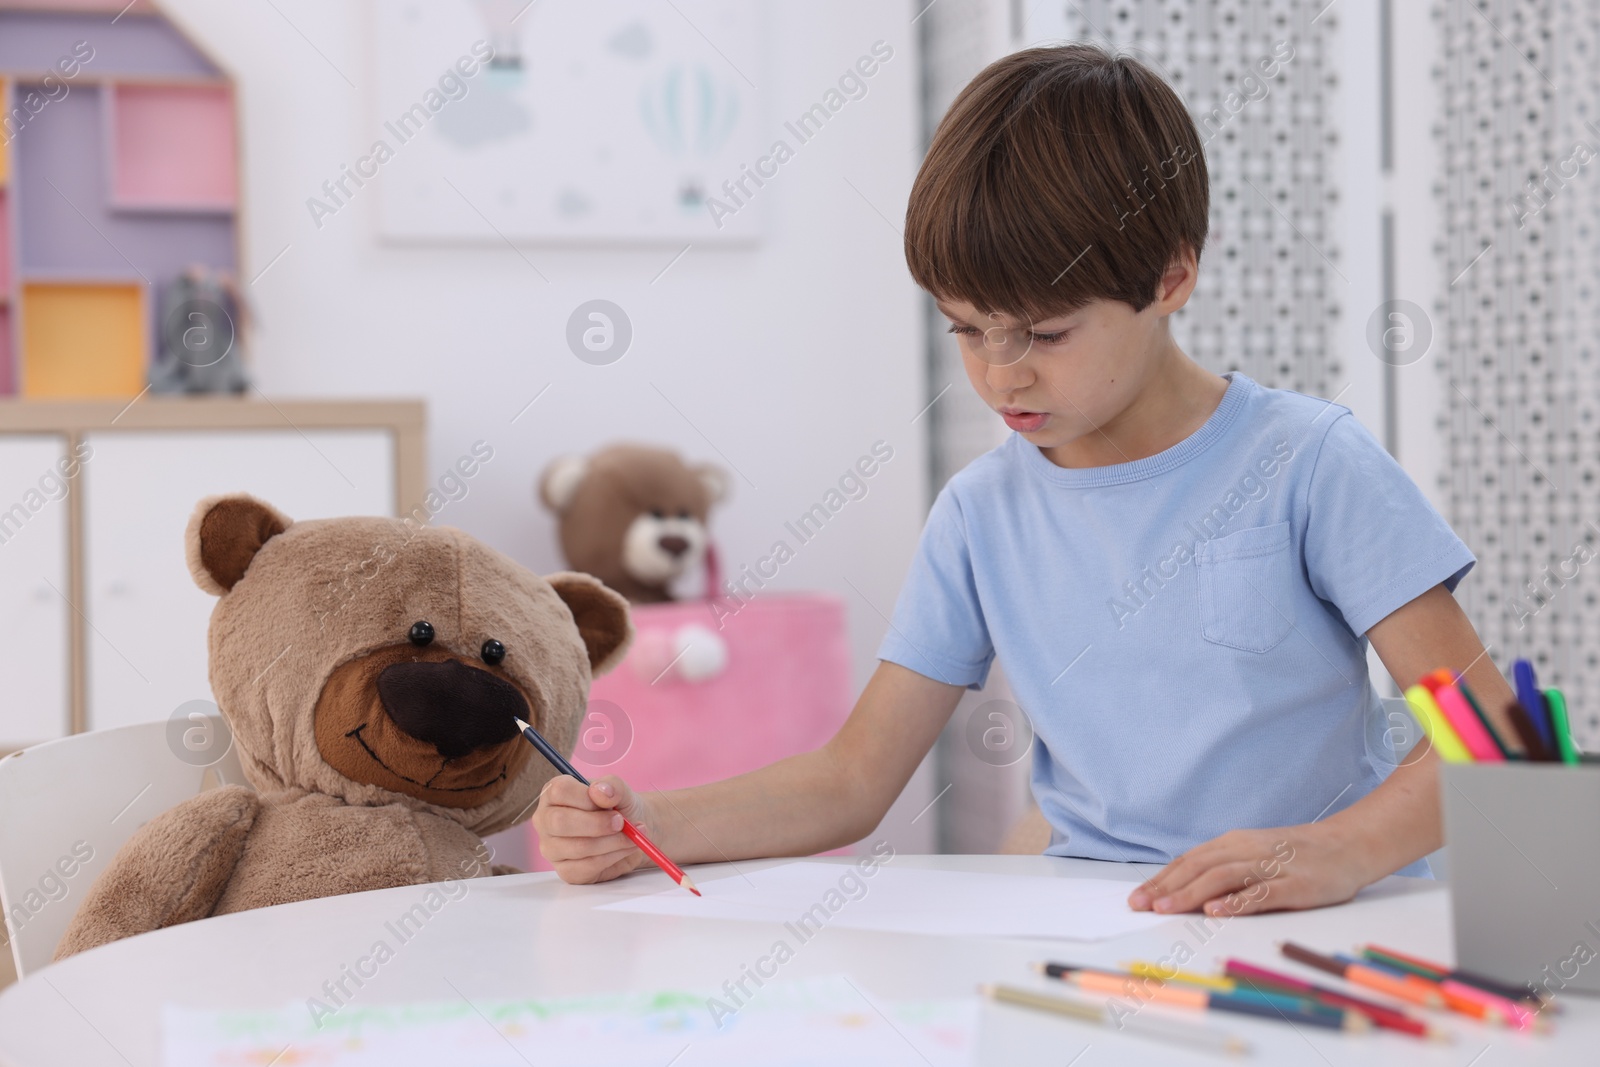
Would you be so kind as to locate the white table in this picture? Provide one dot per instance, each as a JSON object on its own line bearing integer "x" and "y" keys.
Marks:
{"x": 531, "y": 935}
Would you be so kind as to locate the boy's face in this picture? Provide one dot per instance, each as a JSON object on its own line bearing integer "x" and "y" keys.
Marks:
{"x": 1068, "y": 379}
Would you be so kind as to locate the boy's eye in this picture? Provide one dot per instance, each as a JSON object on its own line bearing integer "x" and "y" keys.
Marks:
{"x": 962, "y": 328}
{"x": 1051, "y": 338}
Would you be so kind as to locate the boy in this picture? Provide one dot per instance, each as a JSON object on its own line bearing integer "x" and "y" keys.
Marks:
{"x": 1180, "y": 570}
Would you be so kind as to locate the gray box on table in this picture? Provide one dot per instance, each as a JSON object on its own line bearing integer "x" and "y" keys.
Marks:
{"x": 1525, "y": 871}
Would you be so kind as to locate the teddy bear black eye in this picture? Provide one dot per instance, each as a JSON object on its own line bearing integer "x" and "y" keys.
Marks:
{"x": 493, "y": 652}
{"x": 684, "y": 514}
{"x": 657, "y": 513}
{"x": 421, "y": 633}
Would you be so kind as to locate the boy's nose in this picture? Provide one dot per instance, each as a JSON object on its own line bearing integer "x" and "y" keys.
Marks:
{"x": 1009, "y": 378}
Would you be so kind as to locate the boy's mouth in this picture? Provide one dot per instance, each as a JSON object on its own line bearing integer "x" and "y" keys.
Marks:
{"x": 1024, "y": 421}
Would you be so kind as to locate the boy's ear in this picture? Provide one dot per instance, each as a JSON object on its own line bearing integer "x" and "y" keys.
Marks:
{"x": 601, "y": 615}
{"x": 560, "y": 480}
{"x": 224, "y": 535}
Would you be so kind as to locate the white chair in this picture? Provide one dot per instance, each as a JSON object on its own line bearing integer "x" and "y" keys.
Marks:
{"x": 67, "y": 806}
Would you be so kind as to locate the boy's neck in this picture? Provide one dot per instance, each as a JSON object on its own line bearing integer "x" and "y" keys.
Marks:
{"x": 1176, "y": 401}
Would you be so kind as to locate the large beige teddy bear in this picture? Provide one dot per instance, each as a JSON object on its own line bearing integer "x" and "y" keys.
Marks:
{"x": 370, "y": 670}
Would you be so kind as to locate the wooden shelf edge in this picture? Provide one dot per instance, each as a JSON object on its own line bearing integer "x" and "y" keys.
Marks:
{"x": 21, "y": 415}
{"x": 130, "y": 207}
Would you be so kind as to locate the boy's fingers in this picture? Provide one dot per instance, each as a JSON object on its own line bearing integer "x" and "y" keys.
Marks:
{"x": 1243, "y": 902}
{"x": 1214, "y": 882}
{"x": 1234, "y": 846}
{"x": 628, "y": 862}
{"x": 610, "y": 792}
{"x": 570, "y": 822}
{"x": 563, "y": 849}
{"x": 593, "y": 869}
{"x": 1171, "y": 877}
{"x": 567, "y": 792}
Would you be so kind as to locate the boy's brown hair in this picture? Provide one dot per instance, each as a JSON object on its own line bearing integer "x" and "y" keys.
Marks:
{"x": 1059, "y": 176}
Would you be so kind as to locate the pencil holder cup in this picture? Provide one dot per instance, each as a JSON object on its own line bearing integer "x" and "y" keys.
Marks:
{"x": 1525, "y": 871}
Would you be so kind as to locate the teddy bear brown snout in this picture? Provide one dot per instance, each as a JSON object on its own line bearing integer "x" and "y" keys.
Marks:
{"x": 426, "y": 722}
{"x": 453, "y": 707}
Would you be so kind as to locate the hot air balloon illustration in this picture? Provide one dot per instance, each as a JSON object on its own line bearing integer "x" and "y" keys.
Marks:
{"x": 689, "y": 113}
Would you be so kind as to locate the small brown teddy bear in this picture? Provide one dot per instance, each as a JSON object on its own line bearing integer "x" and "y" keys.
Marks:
{"x": 370, "y": 671}
{"x": 632, "y": 516}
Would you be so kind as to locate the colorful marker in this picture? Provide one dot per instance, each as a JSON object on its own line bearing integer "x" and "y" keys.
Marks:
{"x": 1532, "y": 739}
{"x": 1562, "y": 725}
{"x": 1529, "y": 697}
{"x": 1466, "y": 725}
{"x": 1444, "y": 739}
{"x": 1489, "y": 727}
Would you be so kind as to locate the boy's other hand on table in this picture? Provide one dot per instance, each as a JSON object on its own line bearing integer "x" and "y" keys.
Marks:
{"x": 580, "y": 828}
{"x": 1247, "y": 871}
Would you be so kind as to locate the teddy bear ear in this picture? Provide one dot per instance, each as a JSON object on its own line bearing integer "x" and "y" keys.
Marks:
{"x": 715, "y": 479}
{"x": 224, "y": 535}
{"x": 601, "y": 615}
{"x": 560, "y": 480}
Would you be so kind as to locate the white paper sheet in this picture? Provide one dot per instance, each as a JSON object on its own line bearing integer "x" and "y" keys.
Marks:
{"x": 786, "y": 1024}
{"x": 809, "y": 896}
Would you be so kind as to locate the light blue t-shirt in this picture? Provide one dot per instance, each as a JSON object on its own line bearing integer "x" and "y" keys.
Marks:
{"x": 1186, "y": 632}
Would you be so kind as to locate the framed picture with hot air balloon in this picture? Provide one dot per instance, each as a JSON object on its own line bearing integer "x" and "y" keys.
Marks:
{"x": 629, "y": 121}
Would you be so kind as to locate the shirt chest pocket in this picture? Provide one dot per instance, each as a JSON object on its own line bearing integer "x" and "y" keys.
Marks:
{"x": 1246, "y": 580}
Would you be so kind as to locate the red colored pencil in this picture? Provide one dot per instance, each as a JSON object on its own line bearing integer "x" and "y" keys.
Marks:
{"x": 648, "y": 847}
{"x": 634, "y": 834}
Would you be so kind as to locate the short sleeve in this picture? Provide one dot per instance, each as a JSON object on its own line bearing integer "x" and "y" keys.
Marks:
{"x": 938, "y": 628}
{"x": 1373, "y": 543}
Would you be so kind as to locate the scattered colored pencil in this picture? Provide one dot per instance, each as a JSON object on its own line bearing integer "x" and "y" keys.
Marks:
{"x": 1202, "y": 1037}
{"x": 1438, "y": 972}
{"x": 1248, "y": 975}
{"x": 1277, "y": 1006}
{"x": 1424, "y": 988}
{"x": 1516, "y": 1013}
{"x": 1169, "y": 974}
{"x": 1151, "y": 978}
{"x": 1410, "y": 988}
{"x": 1460, "y": 997}
{"x": 633, "y": 833}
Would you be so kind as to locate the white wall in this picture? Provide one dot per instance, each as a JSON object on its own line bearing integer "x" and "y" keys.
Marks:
{"x": 788, "y": 359}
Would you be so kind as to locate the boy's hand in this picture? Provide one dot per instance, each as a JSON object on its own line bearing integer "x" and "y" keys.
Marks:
{"x": 580, "y": 828}
{"x": 1246, "y": 871}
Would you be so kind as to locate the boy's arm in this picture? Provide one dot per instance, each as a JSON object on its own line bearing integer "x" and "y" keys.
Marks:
{"x": 1326, "y": 861}
{"x": 798, "y": 806}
